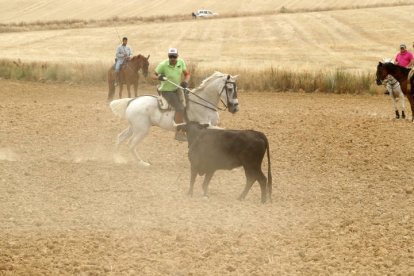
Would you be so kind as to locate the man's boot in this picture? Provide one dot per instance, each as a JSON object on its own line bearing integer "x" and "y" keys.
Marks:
{"x": 180, "y": 134}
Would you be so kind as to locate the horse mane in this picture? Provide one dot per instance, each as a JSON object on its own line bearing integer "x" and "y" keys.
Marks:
{"x": 214, "y": 76}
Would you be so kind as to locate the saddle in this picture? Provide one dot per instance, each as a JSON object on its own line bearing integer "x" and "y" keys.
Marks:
{"x": 164, "y": 105}
{"x": 124, "y": 64}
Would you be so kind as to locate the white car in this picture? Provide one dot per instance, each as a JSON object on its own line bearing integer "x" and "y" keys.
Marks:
{"x": 205, "y": 13}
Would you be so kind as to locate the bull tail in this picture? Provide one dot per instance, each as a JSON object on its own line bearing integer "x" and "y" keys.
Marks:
{"x": 119, "y": 106}
{"x": 269, "y": 172}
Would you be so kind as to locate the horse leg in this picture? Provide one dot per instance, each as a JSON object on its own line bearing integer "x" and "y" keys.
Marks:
{"x": 402, "y": 101}
{"x": 129, "y": 89}
{"x": 111, "y": 87}
{"x": 139, "y": 133}
{"x": 394, "y": 101}
{"x": 411, "y": 100}
{"x": 123, "y": 136}
{"x": 136, "y": 88}
{"x": 120, "y": 89}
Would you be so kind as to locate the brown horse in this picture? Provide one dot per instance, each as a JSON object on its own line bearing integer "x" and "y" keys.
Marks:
{"x": 128, "y": 75}
{"x": 401, "y": 75}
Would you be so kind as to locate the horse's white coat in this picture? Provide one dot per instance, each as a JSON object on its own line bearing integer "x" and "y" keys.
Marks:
{"x": 143, "y": 112}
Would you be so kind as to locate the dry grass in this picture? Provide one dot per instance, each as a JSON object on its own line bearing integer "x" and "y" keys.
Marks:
{"x": 42, "y": 71}
{"x": 269, "y": 79}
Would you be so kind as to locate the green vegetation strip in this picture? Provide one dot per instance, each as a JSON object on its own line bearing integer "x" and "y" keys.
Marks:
{"x": 268, "y": 79}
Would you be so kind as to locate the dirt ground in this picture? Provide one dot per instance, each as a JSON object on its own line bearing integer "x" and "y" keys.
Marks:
{"x": 343, "y": 199}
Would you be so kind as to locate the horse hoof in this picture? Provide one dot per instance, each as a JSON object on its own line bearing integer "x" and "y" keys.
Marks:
{"x": 144, "y": 164}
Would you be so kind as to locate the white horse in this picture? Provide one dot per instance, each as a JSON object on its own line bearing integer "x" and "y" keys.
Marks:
{"x": 202, "y": 106}
{"x": 396, "y": 94}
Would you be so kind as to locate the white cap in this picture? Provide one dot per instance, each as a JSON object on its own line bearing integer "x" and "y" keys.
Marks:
{"x": 172, "y": 51}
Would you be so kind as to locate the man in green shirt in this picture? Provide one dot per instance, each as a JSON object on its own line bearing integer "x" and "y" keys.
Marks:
{"x": 173, "y": 69}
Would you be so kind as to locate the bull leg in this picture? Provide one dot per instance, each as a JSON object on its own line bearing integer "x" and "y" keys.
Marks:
{"x": 192, "y": 181}
{"x": 263, "y": 186}
{"x": 250, "y": 179}
{"x": 206, "y": 181}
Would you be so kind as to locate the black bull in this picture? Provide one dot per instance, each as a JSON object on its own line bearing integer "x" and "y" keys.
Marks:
{"x": 218, "y": 149}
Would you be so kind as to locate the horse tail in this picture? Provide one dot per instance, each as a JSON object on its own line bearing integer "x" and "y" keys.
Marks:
{"x": 119, "y": 106}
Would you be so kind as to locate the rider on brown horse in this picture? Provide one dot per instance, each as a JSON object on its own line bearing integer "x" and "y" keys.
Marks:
{"x": 173, "y": 69}
{"x": 123, "y": 53}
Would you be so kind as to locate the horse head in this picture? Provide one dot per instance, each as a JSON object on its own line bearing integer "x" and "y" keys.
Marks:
{"x": 141, "y": 62}
{"x": 229, "y": 98}
{"x": 215, "y": 88}
{"x": 145, "y": 65}
{"x": 381, "y": 73}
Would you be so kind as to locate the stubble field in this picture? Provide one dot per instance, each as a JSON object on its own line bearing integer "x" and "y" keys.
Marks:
{"x": 354, "y": 39}
{"x": 342, "y": 200}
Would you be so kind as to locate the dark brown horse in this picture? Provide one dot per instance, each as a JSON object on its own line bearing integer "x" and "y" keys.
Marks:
{"x": 401, "y": 75}
{"x": 128, "y": 75}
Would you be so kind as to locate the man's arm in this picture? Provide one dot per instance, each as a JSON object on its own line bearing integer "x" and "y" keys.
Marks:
{"x": 119, "y": 52}
{"x": 130, "y": 52}
{"x": 187, "y": 76}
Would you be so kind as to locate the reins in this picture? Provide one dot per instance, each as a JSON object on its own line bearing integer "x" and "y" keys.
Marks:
{"x": 213, "y": 106}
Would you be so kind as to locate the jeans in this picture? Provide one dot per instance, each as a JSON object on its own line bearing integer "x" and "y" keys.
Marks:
{"x": 118, "y": 65}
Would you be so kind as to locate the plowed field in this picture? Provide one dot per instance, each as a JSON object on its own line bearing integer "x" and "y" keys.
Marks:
{"x": 343, "y": 199}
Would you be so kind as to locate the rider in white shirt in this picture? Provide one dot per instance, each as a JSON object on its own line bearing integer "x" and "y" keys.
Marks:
{"x": 123, "y": 53}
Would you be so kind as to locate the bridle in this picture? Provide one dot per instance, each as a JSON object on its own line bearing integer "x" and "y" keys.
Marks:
{"x": 213, "y": 106}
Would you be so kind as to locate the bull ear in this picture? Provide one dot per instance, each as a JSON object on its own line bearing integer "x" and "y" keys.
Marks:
{"x": 228, "y": 77}
{"x": 148, "y": 56}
